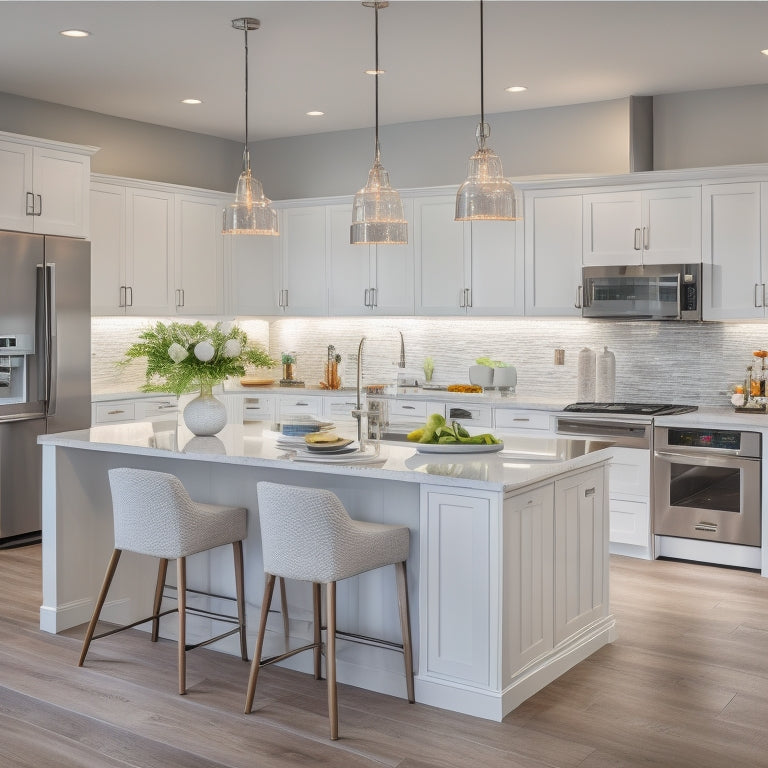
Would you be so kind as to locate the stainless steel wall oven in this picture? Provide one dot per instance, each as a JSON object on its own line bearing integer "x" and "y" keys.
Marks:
{"x": 707, "y": 485}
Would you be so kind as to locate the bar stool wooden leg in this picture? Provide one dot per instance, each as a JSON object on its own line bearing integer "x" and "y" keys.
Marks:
{"x": 284, "y": 608}
{"x": 162, "y": 570}
{"x": 405, "y": 627}
{"x": 269, "y": 586}
{"x": 108, "y": 576}
{"x": 318, "y": 630}
{"x": 237, "y": 548}
{"x": 181, "y": 589}
{"x": 330, "y": 659}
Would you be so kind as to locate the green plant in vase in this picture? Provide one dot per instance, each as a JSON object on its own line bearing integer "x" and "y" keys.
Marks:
{"x": 185, "y": 357}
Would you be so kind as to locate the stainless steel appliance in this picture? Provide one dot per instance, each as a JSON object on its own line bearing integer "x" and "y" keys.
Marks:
{"x": 642, "y": 292}
{"x": 45, "y": 364}
{"x": 707, "y": 485}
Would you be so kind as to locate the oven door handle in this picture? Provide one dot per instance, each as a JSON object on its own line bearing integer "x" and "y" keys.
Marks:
{"x": 704, "y": 460}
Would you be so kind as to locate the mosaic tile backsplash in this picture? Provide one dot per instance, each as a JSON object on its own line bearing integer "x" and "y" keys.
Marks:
{"x": 655, "y": 362}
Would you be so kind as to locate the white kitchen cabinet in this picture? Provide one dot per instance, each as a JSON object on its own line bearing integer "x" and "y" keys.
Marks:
{"x": 160, "y": 408}
{"x": 581, "y": 585}
{"x": 155, "y": 250}
{"x": 526, "y": 422}
{"x": 299, "y": 405}
{"x": 149, "y": 275}
{"x": 304, "y": 269}
{"x": 553, "y": 244}
{"x": 44, "y": 186}
{"x": 259, "y": 408}
{"x": 464, "y": 267}
{"x": 254, "y": 274}
{"x": 629, "y": 475}
{"x": 339, "y": 408}
{"x": 652, "y": 226}
{"x": 735, "y": 254}
{"x": 375, "y": 279}
{"x": 198, "y": 255}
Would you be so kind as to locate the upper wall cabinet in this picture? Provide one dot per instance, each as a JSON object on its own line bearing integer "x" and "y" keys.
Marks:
{"x": 44, "y": 186}
{"x": 652, "y": 226}
{"x": 303, "y": 281}
{"x": 553, "y": 242}
{"x": 155, "y": 251}
{"x": 368, "y": 279}
{"x": 254, "y": 274}
{"x": 464, "y": 268}
{"x": 735, "y": 253}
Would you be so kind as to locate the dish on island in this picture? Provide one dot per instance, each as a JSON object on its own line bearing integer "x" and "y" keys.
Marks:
{"x": 457, "y": 448}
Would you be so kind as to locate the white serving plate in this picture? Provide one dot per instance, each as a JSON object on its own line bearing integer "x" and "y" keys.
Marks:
{"x": 461, "y": 448}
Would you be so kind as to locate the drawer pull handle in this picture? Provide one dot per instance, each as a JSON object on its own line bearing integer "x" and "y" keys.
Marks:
{"x": 520, "y": 418}
{"x": 409, "y": 407}
{"x": 114, "y": 413}
{"x": 709, "y": 527}
{"x": 590, "y": 491}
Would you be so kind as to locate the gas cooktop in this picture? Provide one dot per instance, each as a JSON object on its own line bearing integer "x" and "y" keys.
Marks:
{"x": 641, "y": 409}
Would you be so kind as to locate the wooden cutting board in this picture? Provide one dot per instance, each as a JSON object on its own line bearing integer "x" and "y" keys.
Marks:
{"x": 252, "y": 381}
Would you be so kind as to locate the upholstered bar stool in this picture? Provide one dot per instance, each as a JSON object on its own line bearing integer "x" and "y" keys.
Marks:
{"x": 307, "y": 534}
{"x": 154, "y": 515}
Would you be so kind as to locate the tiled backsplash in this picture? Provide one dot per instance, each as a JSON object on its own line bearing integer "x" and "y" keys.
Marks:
{"x": 655, "y": 361}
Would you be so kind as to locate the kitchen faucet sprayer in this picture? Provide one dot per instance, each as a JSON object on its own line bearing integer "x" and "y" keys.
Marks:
{"x": 401, "y": 364}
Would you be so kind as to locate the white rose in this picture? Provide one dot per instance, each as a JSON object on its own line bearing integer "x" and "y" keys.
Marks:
{"x": 232, "y": 348}
{"x": 204, "y": 351}
{"x": 226, "y": 327}
{"x": 177, "y": 353}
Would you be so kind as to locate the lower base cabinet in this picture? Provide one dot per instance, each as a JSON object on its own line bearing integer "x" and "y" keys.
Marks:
{"x": 516, "y": 589}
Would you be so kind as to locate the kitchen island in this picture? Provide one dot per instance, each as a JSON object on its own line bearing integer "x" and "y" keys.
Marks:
{"x": 508, "y": 566}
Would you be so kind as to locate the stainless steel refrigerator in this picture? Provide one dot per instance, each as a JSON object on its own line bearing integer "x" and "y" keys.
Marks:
{"x": 45, "y": 364}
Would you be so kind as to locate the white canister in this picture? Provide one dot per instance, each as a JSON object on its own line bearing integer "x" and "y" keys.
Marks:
{"x": 585, "y": 381}
{"x": 606, "y": 377}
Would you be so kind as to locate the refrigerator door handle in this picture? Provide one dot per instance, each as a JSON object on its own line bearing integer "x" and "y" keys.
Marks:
{"x": 51, "y": 340}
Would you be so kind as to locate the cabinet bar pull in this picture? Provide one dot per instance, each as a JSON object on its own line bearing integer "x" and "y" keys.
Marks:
{"x": 469, "y": 296}
{"x": 709, "y": 527}
{"x": 121, "y": 301}
{"x": 579, "y": 293}
{"x": 40, "y": 205}
{"x": 646, "y": 238}
{"x": 182, "y": 297}
{"x": 590, "y": 491}
{"x": 637, "y": 238}
{"x": 30, "y": 207}
{"x": 758, "y": 303}
{"x": 367, "y": 297}
{"x": 409, "y": 407}
{"x": 129, "y": 290}
{"x": 520, "y": 418}
{"x": 763, "y": 284}
{"x": 374, "y": 297}
{"x": 114, "y": 413}
{"x": 463, "y": 299}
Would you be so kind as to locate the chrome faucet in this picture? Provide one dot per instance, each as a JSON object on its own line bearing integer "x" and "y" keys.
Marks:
{"x": 358, "y": 413}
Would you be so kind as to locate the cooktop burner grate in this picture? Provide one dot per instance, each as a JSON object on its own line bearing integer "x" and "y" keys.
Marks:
{"x": 640, "y": 409}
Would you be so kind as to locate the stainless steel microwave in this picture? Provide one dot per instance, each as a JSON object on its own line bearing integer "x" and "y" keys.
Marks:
{"x": 642, "y": 292}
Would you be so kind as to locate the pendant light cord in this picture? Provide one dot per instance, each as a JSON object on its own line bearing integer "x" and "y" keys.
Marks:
{"x": 246, "y": 154}
{"x": 376, "y": 34}
{"x": 482, "y": 68}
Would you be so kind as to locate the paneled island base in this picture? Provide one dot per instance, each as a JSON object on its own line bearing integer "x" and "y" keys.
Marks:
{"x": 507, "y": 571}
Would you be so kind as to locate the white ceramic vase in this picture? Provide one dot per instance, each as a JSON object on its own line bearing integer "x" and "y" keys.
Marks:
{"x": 205, "y": 415}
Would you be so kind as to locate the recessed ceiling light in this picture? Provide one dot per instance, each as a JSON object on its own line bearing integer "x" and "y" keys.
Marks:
{"x": 74, "y": 33}
{"x": 315, "y": 113}
{"x": 375, "y": 71}
{"x": 191, "y": 101}
{"x": 764, "y": 51}
{"x": 516, "y": 89}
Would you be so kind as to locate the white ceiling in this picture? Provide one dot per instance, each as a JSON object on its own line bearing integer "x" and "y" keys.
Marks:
{"x": 143, "y": 57}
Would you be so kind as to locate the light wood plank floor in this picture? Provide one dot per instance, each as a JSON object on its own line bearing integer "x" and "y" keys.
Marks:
{"x": 686, "y": 684}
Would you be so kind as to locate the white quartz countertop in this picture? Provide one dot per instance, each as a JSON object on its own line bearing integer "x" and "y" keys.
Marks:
{"x": 715, "y": 418}
{"x": 523, "y": 461}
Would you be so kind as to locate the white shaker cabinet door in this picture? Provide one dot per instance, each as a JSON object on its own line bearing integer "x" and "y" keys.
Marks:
{"x": 254, "y": 274}
{"x": 304, "y": 283}
{"x": 441, "y": 276}
{"x": 149, "y": 254}
{"x": 60, "y": 182}
{"x": 108, "y": 286}
{"x": 199, "y": 259}
{"x": 734, "y": 275}
{"x": 553, "y": 244}
{"x": 671, "y": 225}
{"x": 496, "y": 284}
{"x": 612, "y": 229}
{"x": 581, "y": 589}
{"x": 15, "y": 183}
{"x": 350, "y": 266}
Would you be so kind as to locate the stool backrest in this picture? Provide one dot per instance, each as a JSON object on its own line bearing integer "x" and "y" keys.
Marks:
{"x": 153, "y": 513}
{"x": 304, "y": 532}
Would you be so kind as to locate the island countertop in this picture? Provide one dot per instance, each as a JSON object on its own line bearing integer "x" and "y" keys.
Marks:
{"x": 522, "y": 461}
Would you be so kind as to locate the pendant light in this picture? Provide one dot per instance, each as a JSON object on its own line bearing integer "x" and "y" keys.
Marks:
{"x": 485, "y": 194}
{"x": 251, "y": 213}
{"x": 377, "y": 211}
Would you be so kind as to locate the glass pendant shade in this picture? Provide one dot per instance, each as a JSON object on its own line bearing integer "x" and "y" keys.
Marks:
{"x": 251, "y": 213}
{"x": 377, "y": 212}
{"x": 485, "y": 194}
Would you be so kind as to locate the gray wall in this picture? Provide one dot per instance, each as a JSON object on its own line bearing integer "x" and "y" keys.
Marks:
{"x": 127, "y": 147}
{"x": 724, "y": 126}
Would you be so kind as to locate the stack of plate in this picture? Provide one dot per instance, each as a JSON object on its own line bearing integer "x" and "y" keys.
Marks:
{"x": 293, "y": 426}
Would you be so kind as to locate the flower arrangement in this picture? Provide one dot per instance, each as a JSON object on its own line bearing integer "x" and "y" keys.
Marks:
{"x": 183, "y": 357}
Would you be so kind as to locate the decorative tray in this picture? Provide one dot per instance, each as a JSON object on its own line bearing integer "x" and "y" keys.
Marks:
{"x": 252, "y": 381}
{"x": 460, "y": 448}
